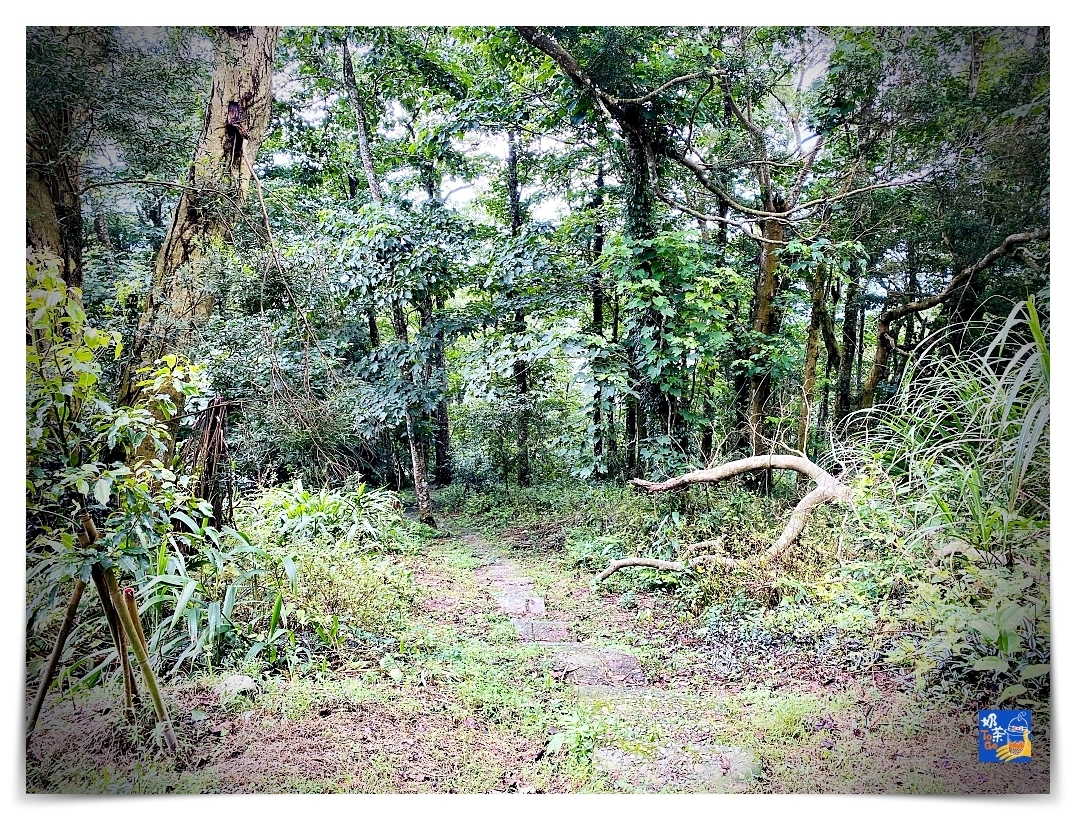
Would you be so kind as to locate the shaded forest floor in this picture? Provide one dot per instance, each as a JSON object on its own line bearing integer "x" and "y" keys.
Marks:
{"x": 623, "y": 694}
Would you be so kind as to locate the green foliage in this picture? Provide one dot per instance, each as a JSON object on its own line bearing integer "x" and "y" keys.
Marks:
{"x": 967, "y": 441}
{"x": 307, "y": 582}
{"x": 80, "y": 446}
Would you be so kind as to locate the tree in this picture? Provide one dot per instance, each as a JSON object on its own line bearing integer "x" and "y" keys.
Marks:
{"x": 236, "y": 119}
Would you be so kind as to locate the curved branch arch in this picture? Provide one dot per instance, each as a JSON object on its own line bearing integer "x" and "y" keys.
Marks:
{"x": 827, "y": 490}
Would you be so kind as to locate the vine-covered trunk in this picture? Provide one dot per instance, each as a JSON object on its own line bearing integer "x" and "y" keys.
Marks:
{"x": 849, "y": 344}
{"x": 764, "y": 323}
{"x": 597, "y": 303}
{"x": 519, "y": 324}
{"x": 639, "y": 214}
{"x": 810, "y": 366}
{"x": 419, "y": 461}
{"x": 236, "y": 121}
{"x": 442, "y": 433}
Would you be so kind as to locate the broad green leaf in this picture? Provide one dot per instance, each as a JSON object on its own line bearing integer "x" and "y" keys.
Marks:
{"x": 276, "y": 612}
{"x": 1034, "y": 670}
{"x": 184, "y": 597}
{"x": 102, "y": 489}
{"x": 991, "y": 664}
{"x": 292, "y": 573}
{"x": 186, "y": 519}
{"x": 229, "y": 601}
{"x": 1011, "y": 692}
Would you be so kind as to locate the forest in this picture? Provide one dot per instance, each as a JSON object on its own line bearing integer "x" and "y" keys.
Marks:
{"x": 537, "y": 409}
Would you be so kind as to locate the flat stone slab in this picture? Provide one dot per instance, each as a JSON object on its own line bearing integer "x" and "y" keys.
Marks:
{"x": 596, "y": 666}
{"x": 690, "y": 768}
{"x": 512, "y": 585}
{"x": 541, "y": 631}
{"x": 518, "y": 603}
{"x": 234, "y": 685}
{"x": 502, "y": 571}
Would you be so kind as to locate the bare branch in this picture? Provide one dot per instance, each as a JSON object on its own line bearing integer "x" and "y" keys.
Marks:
{"x": 670, "y": 84}
{"x": 828, "y": 489}
{"x": 734, "y": 468}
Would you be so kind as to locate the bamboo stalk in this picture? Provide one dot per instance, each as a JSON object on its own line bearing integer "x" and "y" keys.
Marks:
{"x": 128, "y": 681}
{"x": 132, "y": 626}
{"x": 132, "y": 607}
{"x": 54, "y": 658}
{"x": 118, "y": 639}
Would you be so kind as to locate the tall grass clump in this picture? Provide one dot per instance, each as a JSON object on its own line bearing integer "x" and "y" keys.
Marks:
{"x": 965, "y": 444}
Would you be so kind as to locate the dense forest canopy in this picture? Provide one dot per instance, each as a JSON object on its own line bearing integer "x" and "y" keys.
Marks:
{"x": 475, "y": 262}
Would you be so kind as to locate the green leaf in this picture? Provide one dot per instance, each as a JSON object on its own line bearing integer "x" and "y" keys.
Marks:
{"x": 1034, "y": 670}
{"x": 276, "y": 612}
{"x": 985, "y": 628}
{"x": 229, "y": 601}
{"x": 292, "y": 573}
{"x": 555, "y": 743}
{"x": 991, "y": 664}
{"x": 186, "y": 519}
{"x": 184, "y": 597}
{"x": 102, "y": 489}
{"x": 1012, "y": 692}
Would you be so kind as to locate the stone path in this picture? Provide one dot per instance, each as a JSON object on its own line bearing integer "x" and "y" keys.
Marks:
{"x": 609, "y": 675}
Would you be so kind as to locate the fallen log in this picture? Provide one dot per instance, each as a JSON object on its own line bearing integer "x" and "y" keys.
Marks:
{"x": 828, "y": 489}
{"x": 672, "y": 566}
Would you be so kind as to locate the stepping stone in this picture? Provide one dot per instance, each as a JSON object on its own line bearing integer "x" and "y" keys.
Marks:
{"x": 541, "y": 631}
{"x": 503, "y": 571}
{"x": 513, "y": 602}
{"x": 512, "y": 584}
{"x": 595, "y": 666}
{"x": 692, "y": 768}
{"x": 234, "y": 685}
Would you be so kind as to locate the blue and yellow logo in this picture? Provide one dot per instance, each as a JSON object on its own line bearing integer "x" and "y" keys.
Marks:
{"x": 1004, "y": 736}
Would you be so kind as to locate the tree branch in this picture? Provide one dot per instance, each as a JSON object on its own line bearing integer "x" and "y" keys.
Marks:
{"x": 698, "y": 75}
{"x": 828, "y": 489}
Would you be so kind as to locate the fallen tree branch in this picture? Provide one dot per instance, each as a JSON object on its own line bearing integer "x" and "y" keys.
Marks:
{"x": 671, "y": 566}
{"x": 828, "y": 490}
{"x": 745, "y": 465}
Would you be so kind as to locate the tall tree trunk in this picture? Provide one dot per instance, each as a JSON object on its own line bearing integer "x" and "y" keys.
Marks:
{"x": 810, "y": 366}
{"x": 823, "y": 405}
{"x": 631, "y": 435}
{"x": 519, "y": 367}
{"x": 597, "y": 302}
{"x": 639, "y": 218}
{"x": 54, "y": 210}
{"x": 237, "y": 117}
{"x": 419, "y": 463}
{"x": 976, "y": 64}
{"x": 53, "y": 198}
{"x": 442, "y": 442}
{"x": 366, "y": 161}
{"x": 764, "y": 322}
{"x": 849, "y": 343}
{"x": 366, "y": 158}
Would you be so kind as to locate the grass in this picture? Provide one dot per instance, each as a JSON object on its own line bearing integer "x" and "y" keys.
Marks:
{"x": 457, "y": 703}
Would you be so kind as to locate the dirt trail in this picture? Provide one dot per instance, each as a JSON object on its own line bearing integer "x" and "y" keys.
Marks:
{"x": 615, "y": 681}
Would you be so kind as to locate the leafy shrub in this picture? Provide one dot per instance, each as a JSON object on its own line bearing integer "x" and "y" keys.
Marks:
{"x": 81, "y": 461}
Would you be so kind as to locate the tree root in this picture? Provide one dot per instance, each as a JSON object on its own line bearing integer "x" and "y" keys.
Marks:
{"x": 828, "y": 490}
